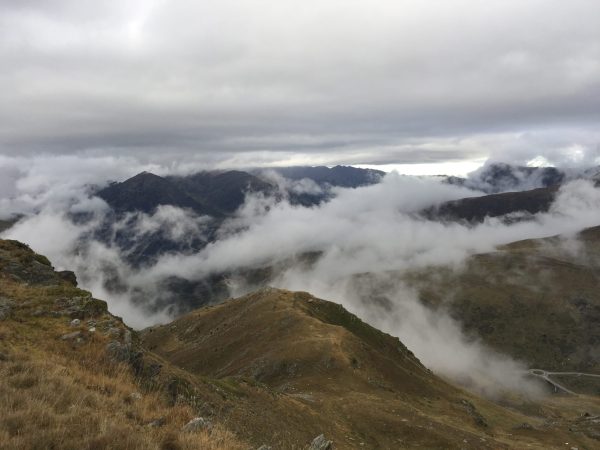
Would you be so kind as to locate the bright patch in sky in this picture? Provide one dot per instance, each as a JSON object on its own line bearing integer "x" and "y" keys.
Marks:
{"x": 456, "y": 168}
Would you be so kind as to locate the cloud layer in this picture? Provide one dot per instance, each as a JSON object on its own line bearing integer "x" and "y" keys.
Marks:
{"x": 373, "y": 230}
{"x": 254, "y": 82}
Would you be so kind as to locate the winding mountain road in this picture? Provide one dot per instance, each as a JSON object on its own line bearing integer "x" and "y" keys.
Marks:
{"x": 545, "y": 375}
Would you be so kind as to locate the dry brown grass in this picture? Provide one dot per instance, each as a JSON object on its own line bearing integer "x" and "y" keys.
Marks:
{"x": 52, "y": 402}
{"x": 56, "y": 394}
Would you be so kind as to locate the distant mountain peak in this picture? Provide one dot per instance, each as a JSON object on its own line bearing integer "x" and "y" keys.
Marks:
{"x": 145, "y": 192}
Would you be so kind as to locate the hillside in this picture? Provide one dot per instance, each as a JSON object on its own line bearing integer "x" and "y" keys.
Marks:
{"x": 476, "y": 209}
{"x": 66, "y": 379}
{"x": 145, "y": 191}
{"x": 224, "y": 191}
{"x": 6, "y": 224}
{"x": 537, "y": 300}
{"x": 275, "y": 367}
{"x": 497, "y": 177}
{"x": 328, "y": 371}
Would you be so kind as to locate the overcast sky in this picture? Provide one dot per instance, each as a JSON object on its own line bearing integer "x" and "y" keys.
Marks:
{"x": 234, "y": 83}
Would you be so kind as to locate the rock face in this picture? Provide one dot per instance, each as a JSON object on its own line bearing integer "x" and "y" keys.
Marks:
{"x": 68, "y": 276}
{"x": 20, "y": 263}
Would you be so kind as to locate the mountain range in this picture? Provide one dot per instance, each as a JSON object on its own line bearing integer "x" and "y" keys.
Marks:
{"x": 273, "y": 369}
{"x": 221, "y": 193}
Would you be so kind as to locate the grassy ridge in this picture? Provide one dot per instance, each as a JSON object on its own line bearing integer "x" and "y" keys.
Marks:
{"x": 58, "y": 393}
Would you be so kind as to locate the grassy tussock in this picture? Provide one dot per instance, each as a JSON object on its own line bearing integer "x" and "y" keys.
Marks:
{"x": 49, "y": 402}
{"x": 56, "y": 394}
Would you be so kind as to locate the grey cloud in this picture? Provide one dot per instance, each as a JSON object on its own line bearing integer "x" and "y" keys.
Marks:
{"x": 218, "y": 79}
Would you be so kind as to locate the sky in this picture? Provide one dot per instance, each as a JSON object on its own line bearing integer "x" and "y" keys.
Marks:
{"x": 425, "y": 86}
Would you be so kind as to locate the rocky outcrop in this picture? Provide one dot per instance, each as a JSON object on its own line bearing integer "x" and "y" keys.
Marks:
{"x": 321, "y": 443}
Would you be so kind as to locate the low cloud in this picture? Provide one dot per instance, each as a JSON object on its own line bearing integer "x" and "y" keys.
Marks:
{"x": 374, "y": 230}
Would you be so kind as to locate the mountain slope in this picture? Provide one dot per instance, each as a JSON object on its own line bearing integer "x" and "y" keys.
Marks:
{"x": 5, "y": 224}
{"x": 536, "y": 300}
{"x": 65, "y": 378}
{"x": 500, "y": 177}
{"x": 223, "y": 191}
{"x": 146, "y": 191}
{"x": 342, "y": 176}
{"x": 275, "y": 367}
{"x": 476, "y": 209}
{"x": 329, "y": 372}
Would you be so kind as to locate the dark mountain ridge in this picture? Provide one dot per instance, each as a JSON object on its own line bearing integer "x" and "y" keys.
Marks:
{"x": 342, "y": 176}
{"x": 224, "y": 191}
{"x": 215, "y": 194}
{"x": 494, "y": 178}
{"x": 521, "y": 204}
{"x": 145, "y": 192}
{"x": 221, "y": 193}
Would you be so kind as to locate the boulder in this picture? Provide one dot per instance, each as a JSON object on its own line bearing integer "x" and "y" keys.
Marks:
{"x": 72, "y": 336}
{"x": 320, "y": 443}
{"x": 197, "y": 424}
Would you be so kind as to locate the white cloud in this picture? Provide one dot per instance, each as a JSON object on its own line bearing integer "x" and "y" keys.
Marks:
{"x": 373, "y": 229}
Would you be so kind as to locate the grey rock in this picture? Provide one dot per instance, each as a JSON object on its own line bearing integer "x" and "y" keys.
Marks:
{"x": 479, "y": 420}
{"x": 75, "y": 322}
{"x": 68, "y": 276}
{"x": 72, "y": 336}
{"x": 196, "y": 424}
{"x": 320, "y": 443}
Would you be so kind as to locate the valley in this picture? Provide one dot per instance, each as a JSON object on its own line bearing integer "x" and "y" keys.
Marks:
{"x": 273, "y": 368}
{"x": 255, "y": 365}
{"x": 322, "y": 225}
